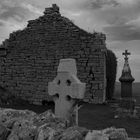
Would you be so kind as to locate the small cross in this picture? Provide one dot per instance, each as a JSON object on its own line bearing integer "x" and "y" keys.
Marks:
{"x": 126, "y": 53}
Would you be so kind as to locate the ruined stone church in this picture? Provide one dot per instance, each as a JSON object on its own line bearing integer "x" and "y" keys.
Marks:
{"x": 30, "y": 57}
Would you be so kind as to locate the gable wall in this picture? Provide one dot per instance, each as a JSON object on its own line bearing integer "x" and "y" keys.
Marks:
{"x": 33, "y": 56}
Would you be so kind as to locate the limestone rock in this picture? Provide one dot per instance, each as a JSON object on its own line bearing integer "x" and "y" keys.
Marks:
{"x": 50, "y": 130}
{"x": 49, "y": 118}
{"x": 4, "y": 132}
{"x": 23, "y": 129}
{"x": 27, "y": 125}
{"x": 16, "y": 124}
{"x": 73, "y": 133}
{"x": 45, "y": 132}
{"x": 119, "y": 134}
{"x": 116, "y": 134}
{"x": 107, "y": 134}
{"x": 96, "y": 135}
{"x": 10, "y": 114}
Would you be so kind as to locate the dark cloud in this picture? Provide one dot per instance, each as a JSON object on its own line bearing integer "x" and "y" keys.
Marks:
{"x": 97, "y": 4}
{"x": 1, "y": 23}
{"x": 16, "y": 11}
{"x": 122, "y": 32}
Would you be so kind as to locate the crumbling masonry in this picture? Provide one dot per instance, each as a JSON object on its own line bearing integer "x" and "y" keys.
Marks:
{"x": 30, "y": 57}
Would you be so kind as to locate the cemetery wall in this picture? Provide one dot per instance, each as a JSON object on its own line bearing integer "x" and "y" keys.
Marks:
{"x": 32, "y": 57}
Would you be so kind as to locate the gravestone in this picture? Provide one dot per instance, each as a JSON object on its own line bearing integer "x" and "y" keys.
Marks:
{"x": 66, "y": 90}
{"x": 126, "y": 78}
{"x": 127, "y": 102}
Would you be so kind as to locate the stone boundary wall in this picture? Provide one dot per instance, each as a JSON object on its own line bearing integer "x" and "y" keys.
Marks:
{"x": 33, "y": 54}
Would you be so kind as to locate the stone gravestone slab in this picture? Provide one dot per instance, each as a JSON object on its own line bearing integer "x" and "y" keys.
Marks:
{"x": 66, "y": 89}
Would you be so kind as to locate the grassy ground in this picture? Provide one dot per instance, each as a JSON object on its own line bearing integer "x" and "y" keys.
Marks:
{"x": 95, "y": 117}
{"x": 135, "y": 93}
{"x": 102, "y": 116}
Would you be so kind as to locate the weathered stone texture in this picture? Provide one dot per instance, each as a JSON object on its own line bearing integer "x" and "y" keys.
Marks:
{"x": 33, "y": 54}
{"x": 27, "y": 125}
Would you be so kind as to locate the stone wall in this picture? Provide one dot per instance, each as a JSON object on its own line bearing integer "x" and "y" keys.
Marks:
{"x": 32, "y": 57}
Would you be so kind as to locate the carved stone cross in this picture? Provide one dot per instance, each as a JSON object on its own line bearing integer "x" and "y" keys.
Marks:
{"x": 126, "y": 53}
{"x": 66, "y": 89}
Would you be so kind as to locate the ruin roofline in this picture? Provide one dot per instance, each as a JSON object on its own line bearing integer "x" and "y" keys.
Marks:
{"x": 55, "y": 14}
{"x": 54, "y": 11}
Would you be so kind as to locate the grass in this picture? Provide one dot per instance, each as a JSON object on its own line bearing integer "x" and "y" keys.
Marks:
{"x": 135, "y": 91}
{"x": 102, "y": 116}
{"x": 95, "y": 117}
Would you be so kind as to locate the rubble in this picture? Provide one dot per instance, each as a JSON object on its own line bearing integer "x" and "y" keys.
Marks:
{"x": 27, "y": 125}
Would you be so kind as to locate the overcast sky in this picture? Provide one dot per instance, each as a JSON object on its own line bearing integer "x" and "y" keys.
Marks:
{"x": 118, "y": 19}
